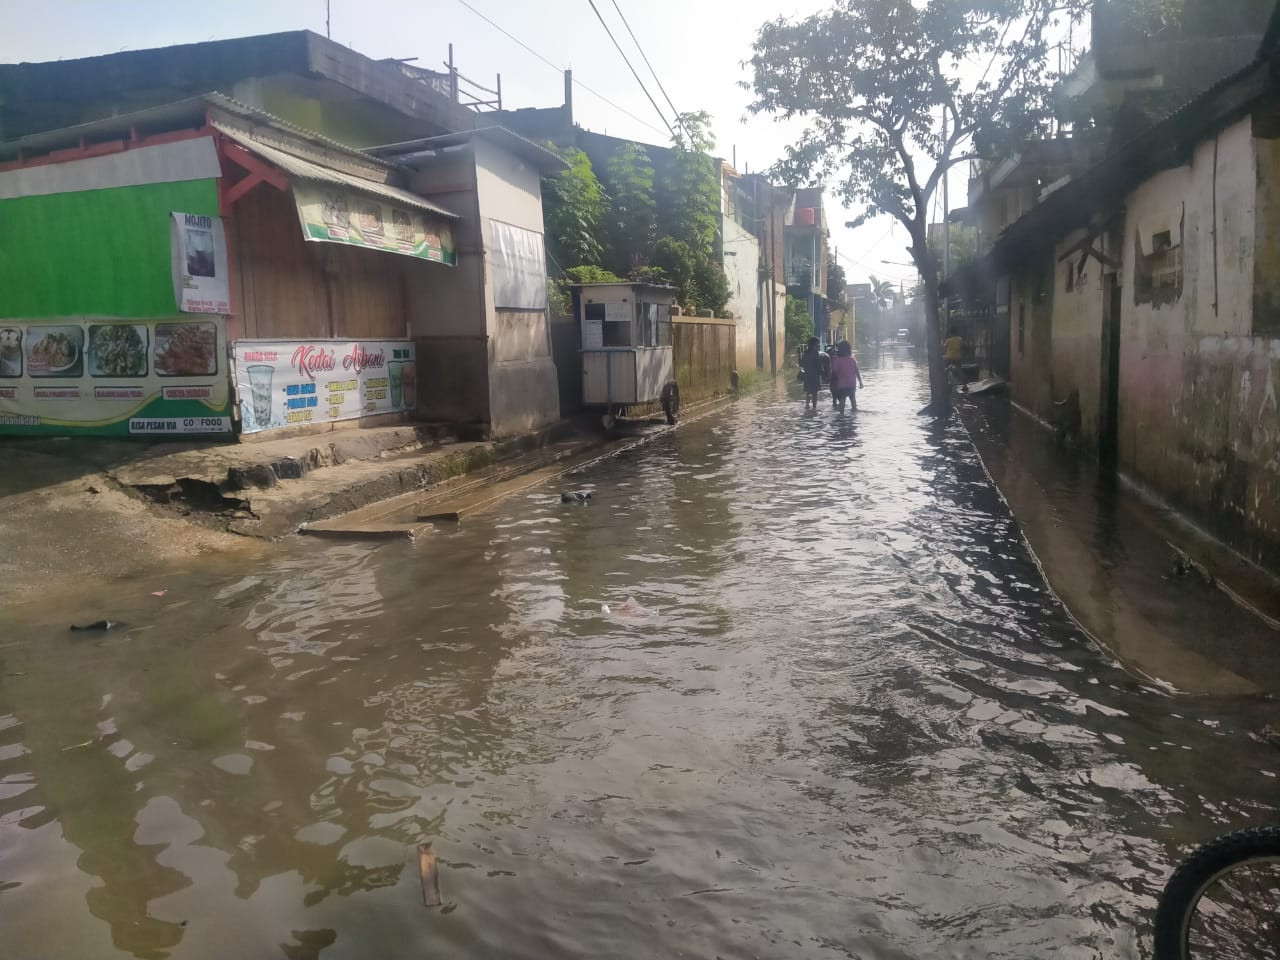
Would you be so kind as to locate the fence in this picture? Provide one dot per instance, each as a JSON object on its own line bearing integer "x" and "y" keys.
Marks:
{"x": 704, "y": 354}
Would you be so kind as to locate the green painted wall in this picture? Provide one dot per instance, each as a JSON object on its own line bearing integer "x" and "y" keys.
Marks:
{"x": 96, "y": 252}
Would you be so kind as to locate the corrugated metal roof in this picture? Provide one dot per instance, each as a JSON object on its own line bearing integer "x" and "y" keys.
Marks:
{"x": 310, "y": 170}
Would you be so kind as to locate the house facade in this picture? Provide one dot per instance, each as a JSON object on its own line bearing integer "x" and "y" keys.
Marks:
{"x": 1143, "y": 302}
{"x": 204, "y": 265}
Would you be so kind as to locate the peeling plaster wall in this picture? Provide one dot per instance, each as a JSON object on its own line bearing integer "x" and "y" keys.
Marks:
{"x": 1078, "y": 332}
{"x": 1198, "y": 413}
{"x": 1031, "y": 337}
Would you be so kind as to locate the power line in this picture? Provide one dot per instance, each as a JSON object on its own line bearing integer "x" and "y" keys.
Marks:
{"x": 576, "y": 81}
{"x": 645, "y": 57}
{"x": 625, "y": 60}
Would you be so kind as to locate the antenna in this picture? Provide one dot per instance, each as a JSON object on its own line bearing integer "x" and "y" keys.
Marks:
{"x": 326, "y": 20}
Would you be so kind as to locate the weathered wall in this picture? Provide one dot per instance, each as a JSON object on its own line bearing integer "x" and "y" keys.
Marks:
{"x": 447, "y": 305}
{"x": 703, "y": 356}
{"x": 523, "y": 388}
{"x": 290, "y": 288}
{"x": 1198, "y": 419}
{"x": 741, "y": 268}
{"x": 1077, "y": 334}
{"x": 1031, "y": 297}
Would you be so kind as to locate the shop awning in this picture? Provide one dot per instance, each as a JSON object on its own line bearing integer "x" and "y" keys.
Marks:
{"x": 337, "y": 206}
{"x": 304, "y": 169}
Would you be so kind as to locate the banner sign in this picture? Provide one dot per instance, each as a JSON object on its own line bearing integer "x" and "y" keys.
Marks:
{"x": 519, "y": 265}
{"x": 286, "y": 383}
{"x": 114, "y": 377}
{"x": 338, "y": 215}
{"x": 199, "y": 246}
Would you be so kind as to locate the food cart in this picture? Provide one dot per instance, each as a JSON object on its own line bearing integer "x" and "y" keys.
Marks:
{"x": 626, "y": 338}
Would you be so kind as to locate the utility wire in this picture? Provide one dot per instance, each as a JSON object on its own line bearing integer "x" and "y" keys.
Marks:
{"x": 576, "y": 81}
{"x": 625, "y": 60}
{"x": 645, "y": 57}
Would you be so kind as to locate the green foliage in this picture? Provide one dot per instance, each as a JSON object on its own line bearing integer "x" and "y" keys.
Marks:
{"x": 882, "y": 292}
{"x": 690, "y": 188}
{"x": 836, "y": 281}
{"x": 699, "y": 281}
{"x": 589, "y": 273}
{"x": 964, "y": 245}
{"x": 559, "y": 302}
{"x": 633, "y": 214}
{"x": 711, "y": 286}
{"x": 573, "y": 208}
{"x": 797, "y": 324}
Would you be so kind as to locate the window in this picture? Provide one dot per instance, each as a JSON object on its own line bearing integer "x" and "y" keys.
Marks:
{"x": 618, "y": 321}
{"x": 650, "y": 321}
{"x": 1157, "y": 276}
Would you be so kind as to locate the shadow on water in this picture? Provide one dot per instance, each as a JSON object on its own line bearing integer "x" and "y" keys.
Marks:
{"x": 789, "y": 686}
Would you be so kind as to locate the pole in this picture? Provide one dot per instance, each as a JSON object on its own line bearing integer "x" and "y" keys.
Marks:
{"x": 453, "y": 77}
{"x": 946, "y": 211}
{"x": 326, "y": 20}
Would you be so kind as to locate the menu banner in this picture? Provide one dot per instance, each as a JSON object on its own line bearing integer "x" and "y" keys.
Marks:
{"x": 110, "y": 376}
{"x": 200, "y": 281}
{"x": 338, "y": 215}
{"x": 288, "y": 383}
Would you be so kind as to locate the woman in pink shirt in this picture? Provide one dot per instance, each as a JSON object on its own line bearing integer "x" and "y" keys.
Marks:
{"x": 845, "y": 377}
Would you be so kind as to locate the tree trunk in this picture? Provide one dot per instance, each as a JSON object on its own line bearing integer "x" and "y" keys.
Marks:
{"x": 939, "y": 383}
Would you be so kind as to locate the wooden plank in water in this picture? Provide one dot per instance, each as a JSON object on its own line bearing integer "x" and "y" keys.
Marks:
{"x": 429, "y": 871}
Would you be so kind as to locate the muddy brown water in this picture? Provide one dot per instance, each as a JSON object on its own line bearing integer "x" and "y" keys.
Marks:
{"x": 788, "y": 687}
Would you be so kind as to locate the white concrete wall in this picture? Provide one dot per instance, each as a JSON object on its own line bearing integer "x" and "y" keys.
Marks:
{"x": 523, "y": 387}
{"x": 741, "y": 268}
{"x": 447, "y": 304}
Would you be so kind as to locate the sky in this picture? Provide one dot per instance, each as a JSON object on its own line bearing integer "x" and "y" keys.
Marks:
{"x": 695, "y": 46}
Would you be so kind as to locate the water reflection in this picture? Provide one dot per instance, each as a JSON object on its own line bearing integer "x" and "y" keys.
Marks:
{"x": 788, "y": 686}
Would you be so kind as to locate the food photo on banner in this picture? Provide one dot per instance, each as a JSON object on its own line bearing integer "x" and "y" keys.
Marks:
{"x": 291, "y": 383}
{"x": 335, "y": 215}
{"x": 111, "y": 376}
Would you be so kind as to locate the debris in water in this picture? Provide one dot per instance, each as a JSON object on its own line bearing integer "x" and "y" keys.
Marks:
{"x": 98, "y": 625}
{"x": 575, "y": 497}
{"x": 604, "y": 608}
{"x": 632, "y": 609}
{"x": 158, "y": 593}
{"x": 429, "y": 871}
{"x": 1267, "y": 734}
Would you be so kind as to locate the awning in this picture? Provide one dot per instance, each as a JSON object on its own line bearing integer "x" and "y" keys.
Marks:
{"x": 337, "y": 206}
{"x": 303, "y": 169}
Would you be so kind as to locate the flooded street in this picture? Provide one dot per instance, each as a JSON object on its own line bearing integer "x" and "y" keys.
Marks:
{"x": 788, "y": 687}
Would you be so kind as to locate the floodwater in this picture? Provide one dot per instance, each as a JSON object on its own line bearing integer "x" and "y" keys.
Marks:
{"x": 788, "y": 687}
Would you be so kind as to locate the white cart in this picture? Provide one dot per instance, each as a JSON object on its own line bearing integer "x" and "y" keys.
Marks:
{"x": 626, "y": 338}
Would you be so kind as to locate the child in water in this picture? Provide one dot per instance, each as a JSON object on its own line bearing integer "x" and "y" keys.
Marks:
{"x": 846, "y": 377}
{"x": 811, "y": 364}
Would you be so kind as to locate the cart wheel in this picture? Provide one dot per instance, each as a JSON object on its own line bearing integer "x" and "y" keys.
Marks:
{"x": 671, "y": 401}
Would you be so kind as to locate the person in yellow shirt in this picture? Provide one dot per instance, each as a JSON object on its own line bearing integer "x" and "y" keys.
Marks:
{"x": 953, "y": 352}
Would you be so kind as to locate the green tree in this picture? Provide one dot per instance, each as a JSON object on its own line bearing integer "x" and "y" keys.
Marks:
{"x": 836, "y": 281}
{"x": 898, "y": 92}
{"x": 699, "y": 281}
{"x": 633, "y": 213}
{"x": 573, "y": 209}
{"x": 882, "y": 292}
{"x": 690, "y": 188}
{"x": 797, "y": 323}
